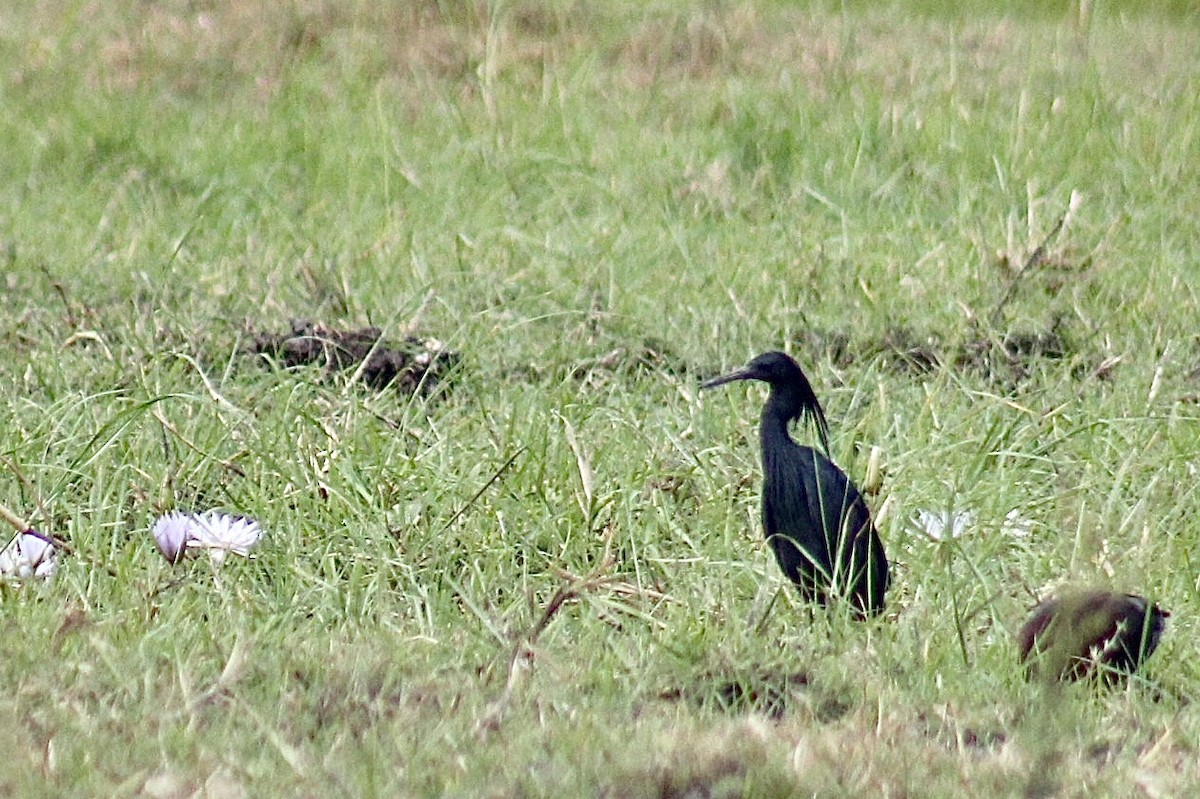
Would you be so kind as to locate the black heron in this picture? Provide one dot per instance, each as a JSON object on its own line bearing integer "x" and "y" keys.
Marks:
{"x": 1090, "y": 634}
{"x": 815, "y": 519}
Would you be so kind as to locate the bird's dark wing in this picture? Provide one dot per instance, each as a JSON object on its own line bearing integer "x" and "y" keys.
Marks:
{"x": 792, "y": 521}
{"x": 821, "y": 531}
{"x": 861, "y": 567}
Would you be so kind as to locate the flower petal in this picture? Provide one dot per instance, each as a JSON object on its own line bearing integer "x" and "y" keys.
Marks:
{"x": 222, "y": 532}
{"x": 29, "y": 554}
{"x": 172, "y": 532}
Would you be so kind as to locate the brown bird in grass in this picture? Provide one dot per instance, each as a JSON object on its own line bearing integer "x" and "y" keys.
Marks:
{"x": 1090, "y": 634}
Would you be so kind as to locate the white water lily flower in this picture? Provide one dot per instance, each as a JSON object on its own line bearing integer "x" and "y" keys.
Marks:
{"x": 943, "y": 526}
{"x": 29, "y": 555}
{"x": 956, "y": 523}
{"x": 221, "y": 533}
{"x": 177, "y": 534}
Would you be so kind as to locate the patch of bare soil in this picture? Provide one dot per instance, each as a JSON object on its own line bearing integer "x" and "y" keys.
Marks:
{"x": 943, "y": 727}
{"x": 773, "y": 693}
{"x": 411, "y": 365}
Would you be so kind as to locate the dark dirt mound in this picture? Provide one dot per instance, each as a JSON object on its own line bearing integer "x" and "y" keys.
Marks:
{"x": 1005, "y": 358}
{"x": 900, "y": 349}
{"x": 412, "y": 364}
{"x": 762, "y": 693}
{"x": 1013, "y": 354}
{"x": 651, "y": 356}
{"x": 906, "y": 352}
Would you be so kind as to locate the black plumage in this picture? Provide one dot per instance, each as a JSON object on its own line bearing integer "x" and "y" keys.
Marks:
{"x": 815, "y": 519}
{"x": 1090, "y": 634}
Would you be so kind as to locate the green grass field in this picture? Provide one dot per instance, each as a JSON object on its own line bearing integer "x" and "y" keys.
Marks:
{"x": 548, "y": 577}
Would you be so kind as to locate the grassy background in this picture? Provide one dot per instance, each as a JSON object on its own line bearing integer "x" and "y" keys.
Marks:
{"x": 598, "y": 204}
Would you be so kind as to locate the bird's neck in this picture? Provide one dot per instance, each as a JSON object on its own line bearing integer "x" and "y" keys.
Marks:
{"x": 773, "y": 432}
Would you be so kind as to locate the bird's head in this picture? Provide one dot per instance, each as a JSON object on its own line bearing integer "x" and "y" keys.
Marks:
{"x": 792, "y": 395}
{"x": 776, "y": 368}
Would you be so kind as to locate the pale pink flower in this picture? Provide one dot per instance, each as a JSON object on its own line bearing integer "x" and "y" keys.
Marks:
{"x": 171, "y": 533}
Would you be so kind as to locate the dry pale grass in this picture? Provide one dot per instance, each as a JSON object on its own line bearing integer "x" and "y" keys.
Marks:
{"x": 190, "y": 48}
{"x": 879, "y": 752}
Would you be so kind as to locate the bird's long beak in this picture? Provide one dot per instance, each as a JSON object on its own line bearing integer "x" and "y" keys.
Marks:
{"x": 740, "y": 374}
